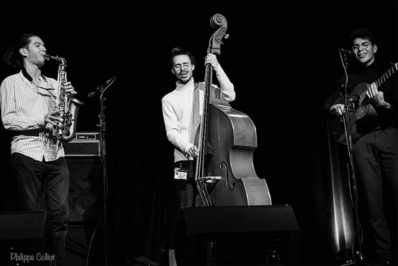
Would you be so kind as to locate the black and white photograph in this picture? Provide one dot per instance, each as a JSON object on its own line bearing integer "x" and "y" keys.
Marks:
{"x": 190, "y": 133}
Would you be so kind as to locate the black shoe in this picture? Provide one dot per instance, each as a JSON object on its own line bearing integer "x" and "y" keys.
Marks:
{"x": 163, "y": 259}
{"x": 384, "y": 262}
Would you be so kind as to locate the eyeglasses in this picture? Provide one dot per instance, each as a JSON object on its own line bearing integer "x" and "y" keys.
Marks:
{"x": 183, "y": 66}
{"x": 364, "y": 45}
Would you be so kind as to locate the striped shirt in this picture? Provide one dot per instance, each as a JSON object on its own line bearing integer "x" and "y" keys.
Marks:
{"x": 23, "y": 107}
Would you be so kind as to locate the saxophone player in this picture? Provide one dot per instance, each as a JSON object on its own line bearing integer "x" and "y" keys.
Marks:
{"x": 27, "y": 102}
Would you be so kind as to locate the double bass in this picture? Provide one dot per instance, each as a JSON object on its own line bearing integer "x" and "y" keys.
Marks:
{"x": 226, "y": 140}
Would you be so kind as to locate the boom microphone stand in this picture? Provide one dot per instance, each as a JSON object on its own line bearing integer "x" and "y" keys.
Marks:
{"x": 102, "y": 141}
{"x": 358, "y": 256}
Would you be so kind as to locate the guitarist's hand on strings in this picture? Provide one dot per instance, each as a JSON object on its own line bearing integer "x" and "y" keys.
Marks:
{"x": 337, "y": 109}
{"x": 376, "y": 96}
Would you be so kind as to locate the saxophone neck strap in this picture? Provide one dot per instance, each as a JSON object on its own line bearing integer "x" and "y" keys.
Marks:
{"x": 29, "y": 77}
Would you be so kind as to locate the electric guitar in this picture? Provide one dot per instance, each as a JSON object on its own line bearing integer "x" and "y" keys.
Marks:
{"x": 359, "y": 107}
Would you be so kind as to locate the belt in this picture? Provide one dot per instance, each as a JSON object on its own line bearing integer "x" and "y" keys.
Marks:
{"x": 32, "y": 132}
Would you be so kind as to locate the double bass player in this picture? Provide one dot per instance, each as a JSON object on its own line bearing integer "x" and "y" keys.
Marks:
{"x": 181, "y": 109}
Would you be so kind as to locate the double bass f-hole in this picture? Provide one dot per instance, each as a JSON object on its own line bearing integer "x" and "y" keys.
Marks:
{"x": 217, "y": 21}
{"x": 224, "y": 165}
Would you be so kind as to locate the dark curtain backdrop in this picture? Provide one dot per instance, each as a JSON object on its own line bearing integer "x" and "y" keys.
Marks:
{"x": 282, "y": 57}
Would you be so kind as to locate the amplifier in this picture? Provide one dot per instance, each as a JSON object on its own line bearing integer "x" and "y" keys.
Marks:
{"x": 84, "y": 144}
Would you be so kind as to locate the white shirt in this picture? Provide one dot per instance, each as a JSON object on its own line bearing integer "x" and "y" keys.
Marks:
{"x": 177, "y": 108}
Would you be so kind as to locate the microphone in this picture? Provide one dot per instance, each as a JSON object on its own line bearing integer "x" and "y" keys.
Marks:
{"x": 101, "y": 88}
{"x": 347, "y": 52}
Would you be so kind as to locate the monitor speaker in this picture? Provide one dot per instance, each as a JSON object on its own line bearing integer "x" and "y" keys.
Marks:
{"x": 24, "y": 233}
{"x": 243, "y": 235}
{"x": 22, "y": 225}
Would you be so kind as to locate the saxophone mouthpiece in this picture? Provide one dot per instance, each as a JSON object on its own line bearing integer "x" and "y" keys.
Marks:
{"x": 56, "y": 58}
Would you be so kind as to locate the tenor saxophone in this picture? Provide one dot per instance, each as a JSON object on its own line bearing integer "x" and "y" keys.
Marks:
{"x": 67, "y": 106}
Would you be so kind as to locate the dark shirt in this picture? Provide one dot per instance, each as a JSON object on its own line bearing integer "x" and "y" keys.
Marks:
{"x": 385, "y": 117}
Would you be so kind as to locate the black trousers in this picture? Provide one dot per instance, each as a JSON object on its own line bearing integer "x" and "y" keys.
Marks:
{"x": 45, "y": 186}
{"x": 376, "y": 159}
{"x": 185, "y": 195}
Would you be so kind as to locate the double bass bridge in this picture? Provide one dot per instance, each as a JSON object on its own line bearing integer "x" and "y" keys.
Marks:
{"x": 209, "y": 179}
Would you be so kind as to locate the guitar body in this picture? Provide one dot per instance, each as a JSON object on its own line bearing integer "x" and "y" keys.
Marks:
{"x": 338, "y": 132}
{"x": 359, "y": 107}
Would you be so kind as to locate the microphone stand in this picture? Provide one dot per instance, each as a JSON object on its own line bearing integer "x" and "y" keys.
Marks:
{"x": 102, "y": 140}
{"x": 358, "y": 256}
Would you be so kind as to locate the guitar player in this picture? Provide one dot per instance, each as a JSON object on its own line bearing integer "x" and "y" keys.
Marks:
{"x": 375, "y": 145}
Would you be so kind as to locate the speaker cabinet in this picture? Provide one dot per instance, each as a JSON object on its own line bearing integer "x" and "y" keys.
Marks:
{"x": 78, "y": 249}
{"x": 85, "y": 208}
{"x": 85, "y": 190}
{"x": 243, "y": 235}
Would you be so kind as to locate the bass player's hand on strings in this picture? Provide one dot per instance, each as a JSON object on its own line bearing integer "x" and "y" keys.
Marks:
{"x": 212, "y": 60}
{"x": 193, "y": 151}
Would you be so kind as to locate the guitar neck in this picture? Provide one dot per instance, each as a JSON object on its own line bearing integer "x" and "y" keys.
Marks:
{"x": 386, "y": 75}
